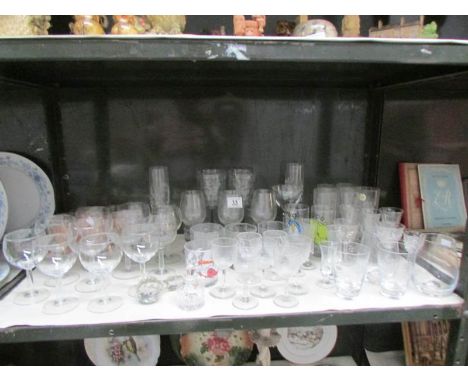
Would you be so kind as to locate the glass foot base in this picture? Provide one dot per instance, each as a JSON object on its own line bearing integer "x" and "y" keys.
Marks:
{"x": 60, "y": 306}
{"x": 90, "y": 285}
{"x": 66, "y": 280}
{"x": 105, "y": 304}
{"x": 244, "y": 302}
{"x": 262, "y": 291}
{"x": 126, "y": 272}
{"x": 30, "y": 297}
{"x": 222, "y": 292}
{"x": 285, "y": 301}
{"x": 326, "y": 284}
{"x": 298, "y": 289}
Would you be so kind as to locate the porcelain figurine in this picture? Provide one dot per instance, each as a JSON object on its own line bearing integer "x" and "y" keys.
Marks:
{"x": 129, "y": 24}
{"x": 167, "y": 24}
{"x": 254, "y": 27}
{"x": 88, "y": 25}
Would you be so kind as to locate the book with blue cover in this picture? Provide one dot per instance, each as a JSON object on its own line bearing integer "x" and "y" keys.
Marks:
{"x": 443, "y": 203}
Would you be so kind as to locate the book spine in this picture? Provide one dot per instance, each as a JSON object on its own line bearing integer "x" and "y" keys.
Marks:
{"x": 404, "y": 192}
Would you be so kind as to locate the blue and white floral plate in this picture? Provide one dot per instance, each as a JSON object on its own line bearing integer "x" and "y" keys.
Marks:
{"x": 29, "y": 191}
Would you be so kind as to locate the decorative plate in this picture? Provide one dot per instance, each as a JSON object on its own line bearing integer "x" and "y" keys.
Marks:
{"x": 123, "y": 351}
{"x": 217, "y": 348}
{"x": 305, "y": 345}
{"x": 29, "y": 190}
{"x": 3, "y": 210}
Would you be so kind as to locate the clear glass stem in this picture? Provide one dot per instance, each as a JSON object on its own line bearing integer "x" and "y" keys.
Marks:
{"x": 127, "y": 264}
{"x": 58, "y": 290}
{"x": 143, "y": 270}
{"x": 245, "y": 292}
{"x": 223, "y": 282}
{"x": 187, "y": 232}
{"x": 286, "y": 289}
{"x": 161, "y": 261}
{"x": 30, "y": 278}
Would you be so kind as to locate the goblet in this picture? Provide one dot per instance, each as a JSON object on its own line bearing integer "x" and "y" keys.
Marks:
{"x": 328, "y": 260}
{"x": 58, "y": 258}
{"x": 242, "y": 180}
{"x": 223, "y": 251}
{"x": 391, "y": 215}
{"x": 20, "y": 250}
{"x": 212, "y": 181}
{"x": 234, "y": 229}
{"x": 206, "y": 232}
{"x": 140, "y": 243}
{"x": 263, "y": 206}
{"x": 159, "y": 187}
{"x": 230, "y": 207}
{"x": 246, "y": 266}
{"x": 192, "y": 208}
{"x": 287, "y": 264}
{"x": 100, "y": 254}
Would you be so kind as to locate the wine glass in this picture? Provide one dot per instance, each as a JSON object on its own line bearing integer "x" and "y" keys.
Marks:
{"x": 192, "y": 208}
{"x": 263, "y": 206}
{"x": 19, "y": 249}
{"x": 287, "y": 194}
{"x": 287, "y": 264}
{"x": 128, "y": 214}
{"x": 58, "y": 258}
{"x": 174, "y": 213}
{"x": 294, "y": 175}
{"x": 159, "y": 186}
{"x": 140, "y": 243}
{"x": 212, "y": 181}
{"x": 242, "y": 180}
{"x": 230, "y": 207}
{"x": 223, "y": 251}
{"x": 100, "y": 254}
{"x": 246, "y": 266}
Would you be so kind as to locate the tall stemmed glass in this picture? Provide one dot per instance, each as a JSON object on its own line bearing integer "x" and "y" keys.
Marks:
{"x": 328, "y": 260}
{"x": 58, "y": 258}
{"x": 173, "y": 212}
{"x": 287, "y": 194}
{"x": 140, "y": 243}
{"x": 246, "y": 263}
{"x": 19, "y": 248}
{"x": 234, "y": 229}
{"x": 160, "y": 194}
{"x": 294, "y": 174}
{"x": 263, "y": 206}
{"x": 223, "y": 250}
{"x": 242, "y": 180}
{"x": 193, "y": 209}
{"x": 287, "y": 264}
{"x": 100, "y": 254}
{"x": 128, "y": 214}
{"x": 230, "y": 207}
{"x": 212, "y": 182}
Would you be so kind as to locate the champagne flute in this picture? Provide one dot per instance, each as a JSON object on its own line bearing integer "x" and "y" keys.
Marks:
{"x": 242, "y": 180}
{"x": 193, "y": 209}
{"x": 100, "y": 254}
{"x": 160, "y": 194}
{"x": 212, "y": 182}
{"x": 19, "y": 248}
{"x": 223, "y": 250}
{"x": 58, "y": 258}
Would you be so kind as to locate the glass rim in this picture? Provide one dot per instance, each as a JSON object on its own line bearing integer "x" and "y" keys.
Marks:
{"x": 17, "y": 235}
{"x": 219, "y": 241}
{"x": 249, "y": 225}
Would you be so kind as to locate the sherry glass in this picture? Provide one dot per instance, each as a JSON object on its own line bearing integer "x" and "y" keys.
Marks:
{"x": 263, "y": 206}
{"x": 287, "y": 264}
{"x": 242, "y": 180}
{"x": 100, "y": 254}
{"x": 230, "y": 207}
{"x": 19, "y": 249}
{"x": 328, "y": 260}
{"x": 193, "y": 209}
{"x": 212, "y": 182}
{"x": 58, "y": 258}
{"x": 246, "y": 264}
{"x": 223, "y": 251}
{"x": 160, "y": 194}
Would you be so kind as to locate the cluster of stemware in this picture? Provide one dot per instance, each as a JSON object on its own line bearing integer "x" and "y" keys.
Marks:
{"x": 99, "y": 237}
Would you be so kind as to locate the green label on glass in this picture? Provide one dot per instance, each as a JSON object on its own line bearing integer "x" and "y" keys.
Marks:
{"x": 321, "y": 231}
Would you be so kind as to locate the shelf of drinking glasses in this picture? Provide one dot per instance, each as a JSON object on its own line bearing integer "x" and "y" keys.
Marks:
{"x": 71, "y": 60}
{"x": 26, "y": 323}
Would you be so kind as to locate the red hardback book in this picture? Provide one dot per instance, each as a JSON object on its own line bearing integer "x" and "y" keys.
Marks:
{"x": 410, "y": 195}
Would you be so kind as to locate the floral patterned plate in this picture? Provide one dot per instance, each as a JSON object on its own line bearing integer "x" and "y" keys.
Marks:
{"x": 305, "y": 345}
{"x": 3, "y": 210}
{"x": 217, "y": 348}
{"x": 123, "y": 351}
{"x": 29, "y": 191}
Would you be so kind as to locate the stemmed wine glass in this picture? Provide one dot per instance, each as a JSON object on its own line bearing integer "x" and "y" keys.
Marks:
{"x": 294, "y": 174}
{"x": 140, "y": 243}
{"x": 100, "y": 254}
{"x": 58, "y": 258}
{"x": 287, "y": 194}
{"x": 193, "y": 209}
{"x": 230, "y": 207}
{"x": 223, "y": 250}
{"x": 212, "y": 182}
{"x": 287, "y": 264}
{"x": 174, "y": 214}
{"x": 263, "y": 206}
{"x": 159, "y": 186}
{"x": 19, "y": 248}
{"x": 328, "y": 260}
{"x": 246, "y": 263}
